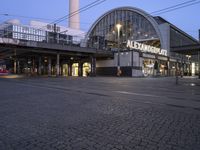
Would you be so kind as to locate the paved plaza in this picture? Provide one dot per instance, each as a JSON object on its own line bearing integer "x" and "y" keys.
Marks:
{"x": 99, "y": 113}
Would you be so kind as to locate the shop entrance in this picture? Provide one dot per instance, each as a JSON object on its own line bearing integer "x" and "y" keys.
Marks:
{"x": 148, "y": 67}
{"x": 65, "y": 70}
{"x": 163, "y": 68}
{"x": 75, "y": 69}
{"x": 86, "y": 69}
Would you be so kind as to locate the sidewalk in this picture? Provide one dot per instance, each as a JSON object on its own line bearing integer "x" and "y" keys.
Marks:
{"x": 11, "y": 76}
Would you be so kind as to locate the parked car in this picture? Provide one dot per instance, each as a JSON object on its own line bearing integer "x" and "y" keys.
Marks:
{"x": 3, "y": 72}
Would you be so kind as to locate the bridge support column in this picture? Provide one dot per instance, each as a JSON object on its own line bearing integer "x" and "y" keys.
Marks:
{"x": 33, "y": 66}
{"x": 39, "y": 66}
{"x": 199, "y": 62}
{"x": 93, "y": 66}
{"x": 70, "y": 69}
{"x": 168, "y": 67}
{"x": 18, "y": 67}
{"x": 15, "y": 66}
{"x": 49, "y": 66}
{"x": 61, "y": 69}
{"x": 80, "y": 69}
{"x": 58, "y": 65}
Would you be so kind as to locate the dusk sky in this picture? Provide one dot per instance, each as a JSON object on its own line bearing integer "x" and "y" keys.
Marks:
{"x": 187, "y": 19}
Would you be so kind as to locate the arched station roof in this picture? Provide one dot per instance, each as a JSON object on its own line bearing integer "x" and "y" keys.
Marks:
{"x": 140, "y": 12}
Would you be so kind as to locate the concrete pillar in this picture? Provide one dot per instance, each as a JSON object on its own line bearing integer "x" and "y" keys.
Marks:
{"x": 70, "y": 69}
{"x": 18, "y": 67}
{"x": 49, "y": 66}
{"x": 15, "y": 62}
{"x": 168, "y": 67}
{"x": 26, "y": 64}
{"x": 132, "y": 58}
{"x": 33, "y": 66}
{"x": 39, "y": 66}
{"x": 155, "y": 68}
{"x": 15, "y": 66}
{"x": 93, "y": 66}
{"x": 61, "y": 69}
{"x": 177, "y": 72}
{"x": 189, "y": 67}
{"x": 199, "y": 61}
{"x": 58, "y": 65}
{"x": 80, "y": 69}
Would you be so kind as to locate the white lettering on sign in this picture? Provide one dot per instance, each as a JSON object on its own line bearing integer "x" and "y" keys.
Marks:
{"x": 145, "y": 48}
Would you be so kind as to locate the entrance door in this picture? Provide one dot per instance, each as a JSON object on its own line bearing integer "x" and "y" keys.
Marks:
{"x": 86, "y": 69}
{"x": 65, "y": 70}
{"x": 75, "y": 69}
{"x": 148, "y": 67}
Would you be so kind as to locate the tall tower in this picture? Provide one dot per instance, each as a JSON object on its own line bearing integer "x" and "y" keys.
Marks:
{"x": 74, "y": 20}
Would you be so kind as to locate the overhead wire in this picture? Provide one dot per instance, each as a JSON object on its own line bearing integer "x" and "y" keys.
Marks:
{"x": 36, "y": 18}
{"x": 170, "y": 7}
{"x": 88, "y": 6}
{"x": 55, "y": 21}
{"x": 175, "y": 7}
{"x": 97, "y": 2}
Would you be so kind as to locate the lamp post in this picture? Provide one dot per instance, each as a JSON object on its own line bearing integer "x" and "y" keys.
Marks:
{"x": 199, "y": 62}
{"x": 118, "y": 58}
{"x": 188, "y": 57}
{"x": 199, "y": 56}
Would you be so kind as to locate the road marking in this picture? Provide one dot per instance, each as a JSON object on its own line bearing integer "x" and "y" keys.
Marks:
{"x": 139, "y": 94}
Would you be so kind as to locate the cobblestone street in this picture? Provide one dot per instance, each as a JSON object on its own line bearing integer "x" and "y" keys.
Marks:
{"x": 99, "y": 114}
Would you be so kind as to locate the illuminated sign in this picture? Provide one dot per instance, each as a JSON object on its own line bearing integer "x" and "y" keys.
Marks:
{"x": 145, "y": 48}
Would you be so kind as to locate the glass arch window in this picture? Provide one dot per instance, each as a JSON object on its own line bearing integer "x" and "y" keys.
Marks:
{"x": 135, "y": 26}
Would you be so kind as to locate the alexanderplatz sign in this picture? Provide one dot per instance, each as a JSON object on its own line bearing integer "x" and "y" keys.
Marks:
{"x": 145, "y": 48}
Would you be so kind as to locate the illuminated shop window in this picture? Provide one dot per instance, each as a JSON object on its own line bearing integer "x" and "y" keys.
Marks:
{"x": 75, "y": 69}
{"x": 86, "y": 69}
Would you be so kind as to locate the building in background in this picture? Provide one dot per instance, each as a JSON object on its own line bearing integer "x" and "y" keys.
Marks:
{"x": 41, "y": 32}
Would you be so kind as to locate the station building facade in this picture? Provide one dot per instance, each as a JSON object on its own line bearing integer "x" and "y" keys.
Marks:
{"x": 140, "y": 42}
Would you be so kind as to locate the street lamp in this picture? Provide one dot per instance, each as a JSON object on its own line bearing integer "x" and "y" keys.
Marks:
{"x": 118, "y": 38}
{"x": 199, "y": 59}
{"x": 188, "y": 57}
